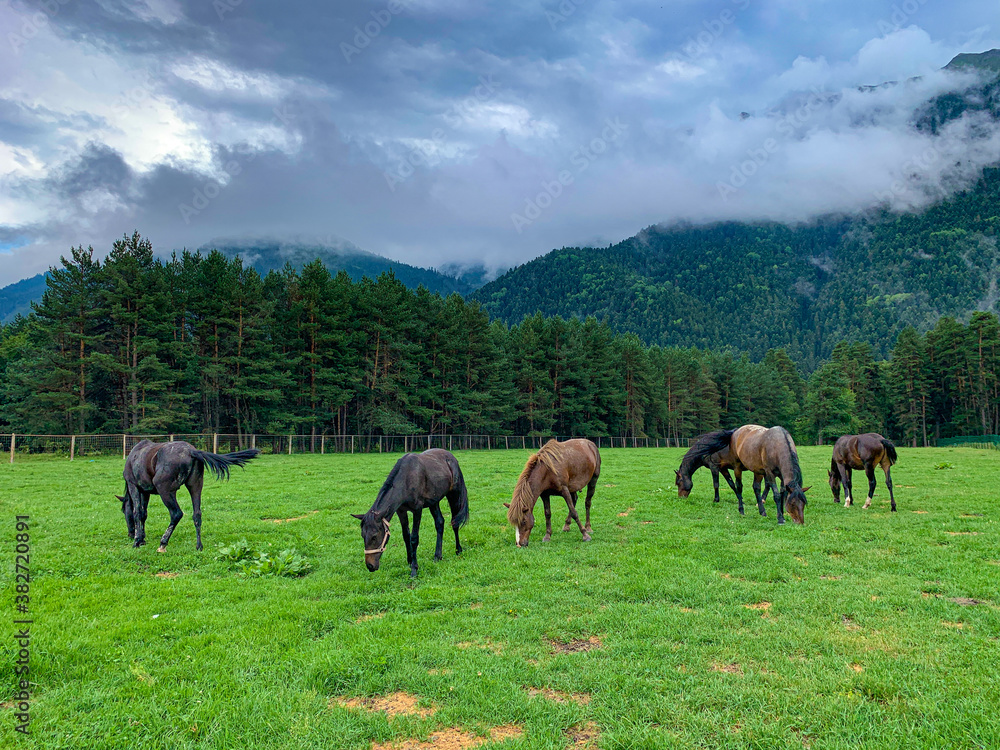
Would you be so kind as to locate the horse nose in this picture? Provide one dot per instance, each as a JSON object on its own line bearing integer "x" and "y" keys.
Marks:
{"x": 371, "y": 568}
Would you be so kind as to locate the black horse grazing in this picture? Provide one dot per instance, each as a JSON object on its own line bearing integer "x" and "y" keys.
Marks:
{"x": 861, "y": 452}
{"x": 160, "y": 469}
{"x": 417, "y": 481}
{"x": 699, "y": 455}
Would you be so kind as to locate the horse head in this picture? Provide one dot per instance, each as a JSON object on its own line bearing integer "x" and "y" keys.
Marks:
{"x": 795, "y": 503}
{"x": 375, "y": 534}
{"x": 129, "y": 512}
{"x": 684, "y": 484}
{"x": 523, "y": 523}
{"x": 834, "y": 484}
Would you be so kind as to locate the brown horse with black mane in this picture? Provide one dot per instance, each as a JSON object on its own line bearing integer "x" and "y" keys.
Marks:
{"x": 772, "y": 453}
{"x": 702, "y": 453}
{"x": 557, "y": 469}
{"x": 861, "y": 452}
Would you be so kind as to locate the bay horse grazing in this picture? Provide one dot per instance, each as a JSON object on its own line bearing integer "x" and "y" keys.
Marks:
{"x": 772, "y": 453}
{"x": 717, "y": 462}
{"x": 417, "y": 481}
{"x": 861, "y": 452}
{"x": 557, "y": 469}
{"x": 160, "y": 469}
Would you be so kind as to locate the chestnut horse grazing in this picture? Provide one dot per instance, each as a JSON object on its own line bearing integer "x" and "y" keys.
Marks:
{"x": 861, "y": 452}
{"x": 161, "y": 469}
{"x": 702, "y": 453}
{"x": 557, "y": 469}
{"x": 770, "y": 452}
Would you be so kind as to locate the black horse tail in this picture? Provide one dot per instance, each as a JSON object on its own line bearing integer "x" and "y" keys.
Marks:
{"x": 460, "y": 507}
{"x": 219, "y": 464}
{"x": 707, "y": 444}
{"x": 890, "y": 451}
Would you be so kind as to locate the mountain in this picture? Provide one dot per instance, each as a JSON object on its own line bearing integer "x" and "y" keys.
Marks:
{"x": 988, "y": 62}
{"x": 758, "y": 286}
{"x": 16, "y": 298}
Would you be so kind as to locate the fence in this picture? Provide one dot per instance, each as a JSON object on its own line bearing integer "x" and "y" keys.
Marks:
{"x": 75, "y": 446}
{"x": 972, "y": 441}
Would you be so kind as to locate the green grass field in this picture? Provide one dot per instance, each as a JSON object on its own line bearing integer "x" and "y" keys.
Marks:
{"x": 710, "y": 630}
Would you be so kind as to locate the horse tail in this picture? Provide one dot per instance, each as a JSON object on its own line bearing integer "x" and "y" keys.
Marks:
{"x": 890, "y": 451}
{"x": 707, "y": 444}
{"x": 459, "y": 508}
{"x": 220, "y": 463}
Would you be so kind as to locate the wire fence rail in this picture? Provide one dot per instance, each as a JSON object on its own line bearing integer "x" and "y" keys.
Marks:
{"x": 76, "y": 446}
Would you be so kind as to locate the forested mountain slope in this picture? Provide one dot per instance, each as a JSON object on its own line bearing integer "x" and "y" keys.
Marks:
{"x": 759, "y": 286}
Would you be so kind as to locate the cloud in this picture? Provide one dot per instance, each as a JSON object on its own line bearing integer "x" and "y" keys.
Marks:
{"x": 188, "y": 124}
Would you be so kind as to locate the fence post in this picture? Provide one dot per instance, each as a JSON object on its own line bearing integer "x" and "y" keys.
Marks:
{"x": 289, "y": 445}
{"x": 253, "y": 440}
{"x": 380, "y": 444}
{"x": 171, "y": 438}
{"x": 322, "y": 444}
{"x": 13, "y": 439}
{"x": 72, "y": 447}
{"x": 123, "y": 448}
{"x": 215, "y": 442}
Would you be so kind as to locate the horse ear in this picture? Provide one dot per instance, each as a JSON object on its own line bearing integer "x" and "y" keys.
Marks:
{"x": 806, "y": 489}
{"x": 359, "y": 516}
{"x": 678, "y": 473}
{"x": 506, "y": 505}
{"x": 120, "y": 498}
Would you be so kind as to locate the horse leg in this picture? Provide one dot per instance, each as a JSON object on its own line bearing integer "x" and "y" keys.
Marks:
{"x": 715, "y": 482}
{"x": 870, "y": 473}
{"x": 415, "y": 541}
{"x": 404, "y": 523}
{"x": 738, "y": 488}
{"x": 591, "y": 486}
{"x": 888, "y": 483}
{"x": 438, "y": 517}
{"x": 848, "y": 485}
{"x": 570, "y": 497}
{"x": 547, "y": 504}
{"x": 572, "y": 508}
{"x": 140, "y": 518}
{"x": 729, "y": 480}
{"x": 756, "y": 492}
{"x": 779, "y": 497}
{"x": 194, "y": 485}
{"x": 169, "y": 496}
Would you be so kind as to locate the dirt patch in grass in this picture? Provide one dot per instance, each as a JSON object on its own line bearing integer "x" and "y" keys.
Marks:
{"x": 972, "y": 515}
{"x": 576, "y": 645}
{"x": 857, "y": 668}
{"x": 625, "y": 513}
{"x": 761, "y": 607}
{"x": 476, "y": 605}
{"x": 580, "y": 699}
{"x": 438, "y": 672}
{"x": 166, "y": 574}
{"x": 453, "y": 738}
{"x": 395, "y": 704}
{"x": 583, "y": 736}
{"x": 732, "y": 668}
{"x": 289, "y": 520}
{"x": 965, "y": 601}
{"x": 921, "y": 512}
{"x": 962, "y": 533}
{"x": 956, "y": 625}
{"x": 849, "y": 623}
{"x": 496, "y": 648}
{"x": 829, "y": 578}
{"x": 370, "y": 616}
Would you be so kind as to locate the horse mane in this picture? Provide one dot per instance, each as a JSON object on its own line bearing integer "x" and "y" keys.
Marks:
{"x": 705, "y": 445}
{"x": 387, "y": 484}
{"x": 551, "y": 456}
{"x": 794, "y": 456}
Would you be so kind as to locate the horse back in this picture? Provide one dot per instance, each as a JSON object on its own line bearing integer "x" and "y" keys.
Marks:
{"x": 582, "y": 462}
{"x": 747, "y": 446}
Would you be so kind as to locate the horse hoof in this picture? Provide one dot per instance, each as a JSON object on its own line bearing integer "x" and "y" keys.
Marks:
{"x": 199, "y": 547}
{"x": 547, "y": 538}
{"x": 161, "y": 548}
{"x": 781, "y": 521}
{"x": 586, "y": 537}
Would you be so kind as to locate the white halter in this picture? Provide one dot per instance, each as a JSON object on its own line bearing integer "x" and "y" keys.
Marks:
{"x": 385, "y": 542}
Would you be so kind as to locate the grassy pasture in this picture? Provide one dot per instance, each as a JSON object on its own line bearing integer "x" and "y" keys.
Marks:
{"x": 704, "y": 629}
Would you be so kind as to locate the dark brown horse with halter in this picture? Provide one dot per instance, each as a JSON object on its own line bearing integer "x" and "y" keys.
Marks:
{"x": 718, "y": 462}
{"x": 557, "y": 469}
{"x": 861, "y": 452}
{"x": 772, "y": 453}
{"x": 162, "y": 469}
{"x": 417, "y": 481}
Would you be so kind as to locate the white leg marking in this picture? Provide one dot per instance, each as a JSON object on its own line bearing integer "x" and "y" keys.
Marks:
{"x": 847, "y": 502}
{"x": 868, "y": 502}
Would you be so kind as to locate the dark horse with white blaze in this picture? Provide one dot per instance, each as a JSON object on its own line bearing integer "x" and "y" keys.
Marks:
{"x": 417, "y": 481}
{"x": 772, "y": 453}
{"x": 160, "y": 469}
{"x": 861, "y": 452}
{"x": 557, "y": 469}
{"x": 702, "y": 453}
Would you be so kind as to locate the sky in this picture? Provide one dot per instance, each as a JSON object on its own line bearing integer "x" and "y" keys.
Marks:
{"x": 455, "y": 132}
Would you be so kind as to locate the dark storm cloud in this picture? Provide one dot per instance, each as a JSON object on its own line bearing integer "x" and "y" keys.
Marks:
{"x": 439, "y": 131}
